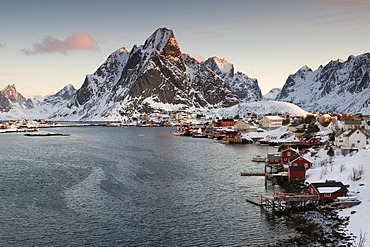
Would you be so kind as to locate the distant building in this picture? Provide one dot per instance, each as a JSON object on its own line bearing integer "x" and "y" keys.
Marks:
{"x": 227, "y": 122}
{"x": 271, "y": 122}
{"x": 296, "y": 126}
{"x": 244, "y": 127}
{"x": 352, "y": 124}
{"x": 351, "y": 139}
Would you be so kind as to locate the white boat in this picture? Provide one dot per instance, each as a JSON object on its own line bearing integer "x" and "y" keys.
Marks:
{"x": 258, "y": 158}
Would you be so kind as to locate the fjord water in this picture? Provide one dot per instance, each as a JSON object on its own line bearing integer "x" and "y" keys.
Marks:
{"x": 131, "y": 186}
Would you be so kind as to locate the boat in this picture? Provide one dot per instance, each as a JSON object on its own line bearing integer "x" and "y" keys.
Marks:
{"x": 258, "y": 158}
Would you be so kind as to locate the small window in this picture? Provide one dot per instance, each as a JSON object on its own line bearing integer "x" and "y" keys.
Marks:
{"x": 358, "y": 141}
{"x": 288, "y": 153}
{"x": 327, "y": 195}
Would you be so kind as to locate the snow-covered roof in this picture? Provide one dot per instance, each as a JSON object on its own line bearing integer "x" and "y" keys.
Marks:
{"x": 273, "y": 117}
{"x": 327, "y": 190}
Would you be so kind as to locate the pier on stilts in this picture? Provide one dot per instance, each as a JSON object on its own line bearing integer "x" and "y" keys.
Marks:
{"x": 284, "y": 201}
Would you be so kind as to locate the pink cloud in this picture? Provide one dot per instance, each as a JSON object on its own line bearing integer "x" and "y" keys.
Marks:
{"x": 75, "y": 41}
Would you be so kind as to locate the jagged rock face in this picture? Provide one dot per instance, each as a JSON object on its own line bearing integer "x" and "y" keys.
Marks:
{"x": 221, "y": 67}
{"x": 10, "y": 97}
{"x": 5, "y": 105}
{"x": 11, "y": 93}
{"x": 244, "y": 88}
{"x": 64, "y": 94}
{"x": 151, "y": 74}
{"x": 338, "y": 86}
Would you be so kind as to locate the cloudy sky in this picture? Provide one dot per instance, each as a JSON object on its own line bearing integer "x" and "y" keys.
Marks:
{"x": 46, "y": 44}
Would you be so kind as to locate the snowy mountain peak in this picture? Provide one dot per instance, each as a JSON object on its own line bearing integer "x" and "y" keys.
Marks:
{"x": 162, "y": 41}
{"x": 67, "y": 92}
{"x": 304, "y": 68}
{"x": 339, "y": 86}
{"x": 224, "y": 66}
{"x": 124, "y": 49}
{"x": 12, "y": 94}
{"x": 272, "y": 94}
{"x": 245, "y": 88}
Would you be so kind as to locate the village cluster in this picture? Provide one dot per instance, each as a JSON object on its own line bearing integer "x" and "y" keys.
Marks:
{"x": 298, "y": 140}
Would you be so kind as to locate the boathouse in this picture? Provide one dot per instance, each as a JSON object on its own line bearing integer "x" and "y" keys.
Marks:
{"x": 296, "y": 172}
{"x": 328, "y": 190}
{"x": 299, "y": 160}
{"x": 287, "y": 153}
{"x": 273, "y": 159}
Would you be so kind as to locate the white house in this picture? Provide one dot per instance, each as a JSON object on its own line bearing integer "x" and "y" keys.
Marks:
{"x": 271, "y": 122}
{"x": 352, "y": 124}
{"x": 244, "y": 127}
{"x": 350, "y": 139}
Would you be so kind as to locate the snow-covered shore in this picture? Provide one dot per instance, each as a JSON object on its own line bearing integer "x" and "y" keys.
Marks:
{"x": 342, "y": 169}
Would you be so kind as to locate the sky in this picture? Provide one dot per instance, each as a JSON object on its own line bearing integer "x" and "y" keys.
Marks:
{"x": 47, "y": 44}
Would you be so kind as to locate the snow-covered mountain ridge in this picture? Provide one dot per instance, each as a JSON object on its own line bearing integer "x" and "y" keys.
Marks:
{"x": 339, "y": 86}
{"x": 153, "y": 74}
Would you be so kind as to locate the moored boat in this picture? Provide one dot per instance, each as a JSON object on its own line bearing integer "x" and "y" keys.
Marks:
{"x": 258, "y": 158}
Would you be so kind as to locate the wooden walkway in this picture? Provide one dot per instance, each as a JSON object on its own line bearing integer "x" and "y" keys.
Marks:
{"x": 284, "y": 201}
{"x": 252, "y": 174}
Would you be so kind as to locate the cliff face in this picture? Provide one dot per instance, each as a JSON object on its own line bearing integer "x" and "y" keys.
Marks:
{"x": 246, "y": 89}
{"x": 339, "y": 86}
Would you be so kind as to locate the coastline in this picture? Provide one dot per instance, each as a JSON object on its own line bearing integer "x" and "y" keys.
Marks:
{"x": 316, "y": 226}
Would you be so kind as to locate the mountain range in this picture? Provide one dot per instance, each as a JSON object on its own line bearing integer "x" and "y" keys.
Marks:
{"x": 339, "y": 86}
{"x": 157, "y": 76}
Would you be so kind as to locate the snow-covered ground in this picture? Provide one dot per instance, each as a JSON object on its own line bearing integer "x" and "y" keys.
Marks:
{"x": 341, "y": 169}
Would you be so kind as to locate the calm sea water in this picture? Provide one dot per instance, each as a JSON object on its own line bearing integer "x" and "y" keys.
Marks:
{"x": 131, "y": 186}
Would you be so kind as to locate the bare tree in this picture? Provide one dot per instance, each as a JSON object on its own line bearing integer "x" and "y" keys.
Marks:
{"x": 342, "y": 167}
{"x": 357, "y": 173}
{"x": 361, "y": 242}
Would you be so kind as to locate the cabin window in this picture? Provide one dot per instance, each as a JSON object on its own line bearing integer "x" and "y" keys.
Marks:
{"x": 358, "y": 141}
{"x": 327, "y": 195}
{"x": 340, "y": 140}
{"x": 306, "y": 165}
{"x": 288, "y": 153}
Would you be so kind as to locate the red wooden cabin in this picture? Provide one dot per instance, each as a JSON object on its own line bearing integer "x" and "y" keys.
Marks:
{"x": 273, "y": 159}
{"x": 296, "y": 172}
{"x": 298, "y": 160}
{"x": 286, "y": 154}
{"x": 227, "y": 122}
{"x": 328, "y": 190}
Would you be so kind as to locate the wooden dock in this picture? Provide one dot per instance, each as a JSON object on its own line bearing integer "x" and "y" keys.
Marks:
{"x": 283, "y": 201}
{"x": 254, "y": 201}
{"x": 252, "y": 174}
